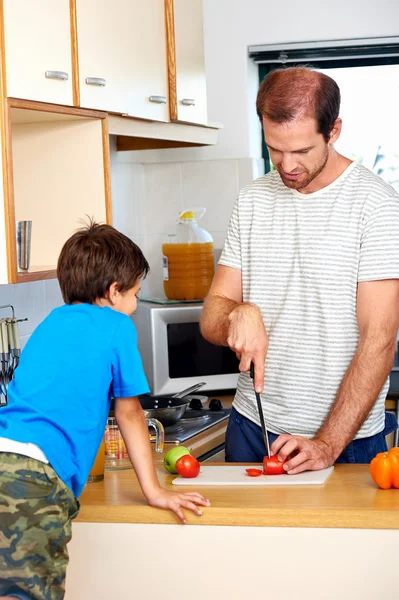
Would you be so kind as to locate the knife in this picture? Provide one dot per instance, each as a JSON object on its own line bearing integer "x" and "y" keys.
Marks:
{"x": 260, "y": 410}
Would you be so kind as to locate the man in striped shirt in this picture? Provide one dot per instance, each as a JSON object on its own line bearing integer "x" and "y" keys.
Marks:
{"x": 307, "y": 288}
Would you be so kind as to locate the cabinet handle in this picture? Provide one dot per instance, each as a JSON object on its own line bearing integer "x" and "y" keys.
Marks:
{"x": 188, "y": 101}
{"x": 95, "y": 81}
{"x": 158, "y": 99}
{"x": 57, "y": 75}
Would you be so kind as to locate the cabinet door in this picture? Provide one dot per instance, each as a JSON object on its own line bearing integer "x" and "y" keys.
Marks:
{"x": 105, "y": 53}
{"x": 148, "y": 98}
{"x": 191, "y": 101}
{"x": 38, "y": 50}
{"x": 122, "y": 57}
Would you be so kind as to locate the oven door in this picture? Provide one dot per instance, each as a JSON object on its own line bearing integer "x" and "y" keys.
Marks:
{"x": 182, "y": 357}
{"x": 215, "y": 455}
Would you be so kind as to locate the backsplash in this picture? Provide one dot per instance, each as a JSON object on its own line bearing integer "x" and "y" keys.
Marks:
{"x": 147, "y": 199}
{"x": 34, "y": 300}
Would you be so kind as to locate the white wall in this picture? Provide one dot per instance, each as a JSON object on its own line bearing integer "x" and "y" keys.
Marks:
{"x": 147, "y": 199}
{"x": 230, "y": 26}
{"x": 233, "y": 25}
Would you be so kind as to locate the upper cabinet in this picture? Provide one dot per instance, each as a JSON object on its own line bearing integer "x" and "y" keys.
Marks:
{"x": 187, "y": 81}
{"x": 56, "y": 175}
{"x": 104, "y": 38}
{"x": 139, "y": 58}
{"x": 38, "y": 62}
{"x": 149, "y": 94}
{"x": 122, "y": 57}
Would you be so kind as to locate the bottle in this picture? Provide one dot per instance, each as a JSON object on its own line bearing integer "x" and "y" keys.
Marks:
{"x": 188, "y": 262}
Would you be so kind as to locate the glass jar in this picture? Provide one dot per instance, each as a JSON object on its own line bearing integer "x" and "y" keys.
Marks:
{"x": 97, "y": 470}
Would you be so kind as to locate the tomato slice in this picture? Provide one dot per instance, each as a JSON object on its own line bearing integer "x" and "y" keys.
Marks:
{"x": 254, "y": 472}
{"x": 272, "y": 466}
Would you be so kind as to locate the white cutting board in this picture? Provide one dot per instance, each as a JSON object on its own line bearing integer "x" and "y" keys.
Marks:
{"x": 236, "y": 475}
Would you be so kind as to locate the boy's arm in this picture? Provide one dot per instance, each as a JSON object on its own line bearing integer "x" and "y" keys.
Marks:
{"x": 132, "y": 424}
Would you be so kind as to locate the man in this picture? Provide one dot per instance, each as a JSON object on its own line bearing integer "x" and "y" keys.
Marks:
{"x": 307, "y": 288}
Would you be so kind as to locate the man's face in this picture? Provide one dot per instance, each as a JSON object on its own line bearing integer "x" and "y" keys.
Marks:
{"x": 297, "y": 150}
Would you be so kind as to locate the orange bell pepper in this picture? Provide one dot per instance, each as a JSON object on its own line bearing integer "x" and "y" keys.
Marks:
{"x": 384, "y": 469}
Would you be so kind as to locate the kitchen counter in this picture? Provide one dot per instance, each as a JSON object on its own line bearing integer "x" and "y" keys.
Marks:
{"x": 338, "y": 540}
{"x": 349, "y": 499}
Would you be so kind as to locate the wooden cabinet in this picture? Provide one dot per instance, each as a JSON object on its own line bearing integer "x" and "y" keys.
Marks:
{"x": 122, "y": 57}
{"x": 37, "y": 44}
{"x": 148, "y": 88}
{"x": 104, "y": 34}
{"x": 57, "y": 176}
{"x": 186, "y": 63}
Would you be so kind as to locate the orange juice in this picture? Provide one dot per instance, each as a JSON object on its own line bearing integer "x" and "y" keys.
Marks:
{"x": 190, "y": 270}
{"x": 97, "y": 470}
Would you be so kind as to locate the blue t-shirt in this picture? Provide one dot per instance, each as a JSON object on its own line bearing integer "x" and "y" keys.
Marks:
{"x": 75, "y": 361}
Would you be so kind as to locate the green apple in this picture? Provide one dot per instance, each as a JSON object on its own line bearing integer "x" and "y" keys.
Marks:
{"x": 172, "y": 456}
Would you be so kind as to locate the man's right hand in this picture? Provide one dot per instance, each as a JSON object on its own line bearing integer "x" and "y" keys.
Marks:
{"x": 247, "y": 337}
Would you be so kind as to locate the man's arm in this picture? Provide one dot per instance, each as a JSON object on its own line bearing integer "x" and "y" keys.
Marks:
{"x": 378, "y": 321}
{"x": 228, "y": 321}
{"x": 223, "y": 297}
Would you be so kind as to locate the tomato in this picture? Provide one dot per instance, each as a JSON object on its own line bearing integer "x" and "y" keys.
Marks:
{"x": 272, "y": 466}
{"x": 384, "y": 469}
{"x": 254, "y": 472}
{"x": 187, "y": 466}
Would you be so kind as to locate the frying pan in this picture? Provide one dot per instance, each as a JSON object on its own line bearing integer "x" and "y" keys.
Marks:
{"x": 167, "y": 409}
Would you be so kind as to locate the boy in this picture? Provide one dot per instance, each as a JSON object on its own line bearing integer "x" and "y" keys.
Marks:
{"x": 80, "y": 356}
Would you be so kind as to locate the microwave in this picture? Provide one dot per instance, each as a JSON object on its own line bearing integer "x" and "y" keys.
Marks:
{"x": 175, "y": 355}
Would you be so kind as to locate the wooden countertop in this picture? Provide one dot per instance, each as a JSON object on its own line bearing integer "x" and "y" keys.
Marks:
{"x": 348, "y": 499}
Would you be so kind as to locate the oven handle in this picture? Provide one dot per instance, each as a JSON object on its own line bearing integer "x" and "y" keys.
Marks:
{"x": 211, "y": 453}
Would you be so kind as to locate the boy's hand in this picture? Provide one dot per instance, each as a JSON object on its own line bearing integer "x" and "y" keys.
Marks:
{"x": 175, "y": 501}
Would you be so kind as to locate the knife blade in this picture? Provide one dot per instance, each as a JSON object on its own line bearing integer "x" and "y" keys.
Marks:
{"x": 261, "y": 415}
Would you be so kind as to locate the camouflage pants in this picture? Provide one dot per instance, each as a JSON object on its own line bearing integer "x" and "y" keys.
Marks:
{"x": 36, "y": 509}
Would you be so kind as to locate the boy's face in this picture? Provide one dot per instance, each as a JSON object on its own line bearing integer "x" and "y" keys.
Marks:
{"x": 126, "y": 302}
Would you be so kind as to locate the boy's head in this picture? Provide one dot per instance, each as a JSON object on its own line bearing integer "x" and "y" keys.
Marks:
{"x": 97, "y": 263}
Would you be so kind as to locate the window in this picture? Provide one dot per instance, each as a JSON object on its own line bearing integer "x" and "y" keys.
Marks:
{"x": 368, "y": 77}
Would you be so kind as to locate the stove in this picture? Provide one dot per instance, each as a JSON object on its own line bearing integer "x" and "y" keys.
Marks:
{"x": 196, "y": 420}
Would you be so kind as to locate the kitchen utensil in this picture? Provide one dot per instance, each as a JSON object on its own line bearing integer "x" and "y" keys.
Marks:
{"x": 10, "y": 351}
{"x": 116, "y": 455}
{"x": 189, "y": 390}
{"x": 236, "y": 475}
{"x": 23, "y": 234}
{"x": 167, "y": 409}
{"x": 261, "y": 415}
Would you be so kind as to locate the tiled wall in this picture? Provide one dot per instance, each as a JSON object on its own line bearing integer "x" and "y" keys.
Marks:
{"x": 146, "y": 201}
{"x": 148, "y": 197}
{"x": 32, "y": 300}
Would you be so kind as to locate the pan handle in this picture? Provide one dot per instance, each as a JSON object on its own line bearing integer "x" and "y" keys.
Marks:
{"x": 189, "y": 390}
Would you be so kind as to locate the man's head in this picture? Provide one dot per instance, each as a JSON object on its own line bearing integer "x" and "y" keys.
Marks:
{"x": 100, "y": 263}
{"x": 299, "y": 111}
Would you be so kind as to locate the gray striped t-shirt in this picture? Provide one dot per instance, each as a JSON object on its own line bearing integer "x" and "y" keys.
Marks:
{"x": 301, "y": 257}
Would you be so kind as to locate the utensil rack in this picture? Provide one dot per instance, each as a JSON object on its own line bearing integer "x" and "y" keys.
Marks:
{"x": 10, "y": 350}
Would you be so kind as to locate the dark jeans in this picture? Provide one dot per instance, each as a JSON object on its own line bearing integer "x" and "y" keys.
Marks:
{"x": 244, "y": 441}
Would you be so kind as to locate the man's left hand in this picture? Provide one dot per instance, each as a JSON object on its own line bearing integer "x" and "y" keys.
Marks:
{"x": 302, "y": 454}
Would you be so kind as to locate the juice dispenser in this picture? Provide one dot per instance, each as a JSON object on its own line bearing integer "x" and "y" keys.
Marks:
{"x": 188, "y": 262}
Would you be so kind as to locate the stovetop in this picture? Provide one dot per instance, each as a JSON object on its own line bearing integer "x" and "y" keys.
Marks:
{"x": 193, "y": 423}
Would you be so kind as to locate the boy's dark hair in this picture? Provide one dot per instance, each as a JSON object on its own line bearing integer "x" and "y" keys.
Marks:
{"x": 288, "y": 93}
{"x": 95, "y": 257}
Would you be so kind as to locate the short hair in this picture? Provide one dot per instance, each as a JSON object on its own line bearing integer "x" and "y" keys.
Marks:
{"x": 93, "y": 258}
{"x": 289, "y": 93}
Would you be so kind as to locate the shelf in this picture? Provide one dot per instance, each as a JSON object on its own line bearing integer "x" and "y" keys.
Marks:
{"x": 37, "y": 273}
{"x": 139, "y": 134}
{"x": 57, "y": 177}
